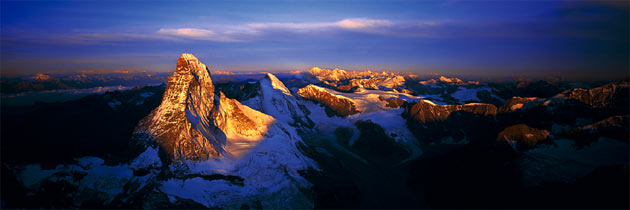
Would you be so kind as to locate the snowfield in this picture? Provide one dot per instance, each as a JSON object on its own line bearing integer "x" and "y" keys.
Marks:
{"x": 373, "y": 109}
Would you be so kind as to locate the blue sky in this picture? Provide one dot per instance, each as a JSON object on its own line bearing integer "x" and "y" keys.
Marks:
{"x": 514, "y": 38}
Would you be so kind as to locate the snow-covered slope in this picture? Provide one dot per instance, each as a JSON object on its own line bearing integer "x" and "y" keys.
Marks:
{"x": 393, "y": 82}
{"x": 277, "y": 101}
{"x": 370, "y": 106}
{"x": 269, "y": 166}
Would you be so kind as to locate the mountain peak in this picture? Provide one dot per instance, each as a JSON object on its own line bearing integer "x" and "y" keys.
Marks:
{"x": 192, "y": 124}
{"x": 450, "y": 80}
{"x": 181, "y": 124}
{"x": 277, "y": 84}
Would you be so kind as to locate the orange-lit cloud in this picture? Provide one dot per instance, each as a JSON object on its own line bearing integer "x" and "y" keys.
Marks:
{"x": 187, "y": 32}
{"x": 358, "y": 23}
{"x": 269, "y": 30}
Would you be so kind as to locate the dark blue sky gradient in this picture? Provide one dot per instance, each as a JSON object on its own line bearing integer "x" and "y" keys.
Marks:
{"x": 587, "y": 39}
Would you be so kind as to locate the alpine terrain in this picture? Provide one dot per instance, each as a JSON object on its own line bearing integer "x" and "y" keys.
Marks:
{"x": 320, "y": 138}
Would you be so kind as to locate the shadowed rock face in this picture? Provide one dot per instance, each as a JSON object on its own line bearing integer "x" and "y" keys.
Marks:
{"x": 393, "y": 102}
{"x": 615, "y": 127}
{"x": 374, "y": 142}
{"x": 340, "y": 105}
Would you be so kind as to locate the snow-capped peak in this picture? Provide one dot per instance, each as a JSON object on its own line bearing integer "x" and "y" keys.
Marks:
{"x": 277, "y": 84}
{"x": 276, "y": 100}
{"x": 329, "y": 75}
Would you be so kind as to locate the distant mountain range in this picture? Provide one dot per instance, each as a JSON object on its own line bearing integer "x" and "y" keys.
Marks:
{"x": 42, "y": 82}
{"x": 317, "y": 139}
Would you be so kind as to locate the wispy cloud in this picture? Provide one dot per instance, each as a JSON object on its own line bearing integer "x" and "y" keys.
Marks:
{"x": 283, "y": 31}
{"x": 264, "y": 31}
{"x": 247, "y": 32}
{"x": 362, "y": 23}
{"x": 188, "y": 32}
{"x": 195, "y": 34}
{"x": 82, "y": 38}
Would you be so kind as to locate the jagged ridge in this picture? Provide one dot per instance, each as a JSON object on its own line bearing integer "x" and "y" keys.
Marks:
{"x": 340, "y": 105}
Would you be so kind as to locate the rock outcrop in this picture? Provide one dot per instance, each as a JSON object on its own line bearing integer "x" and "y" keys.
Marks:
{"x": 613, "y": 95}
{"x": 392, "y": 102}
{"x": 515, "y": 103}
{"x": 614, "y": 127}
{"x": 522, "y": 136}
{"x": 425, "y": 111}
{"x": 525, "y": 121}
{"x": 340, "y": 105}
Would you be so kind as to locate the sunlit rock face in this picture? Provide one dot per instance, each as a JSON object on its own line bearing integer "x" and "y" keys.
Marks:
{"x": 190, "y": 124}
{"x": 515, "y": 104}
{"x": 240, "y": 122}
{"x": 329, "y": 75}
{"x": 425, "y": 111}
{"x": 382, "y": 82}
{"x": 522, "y": 136}
{"x": 613, "y": 95}
{"x": 450, "y": 80}
{"x": 340, "y": 105}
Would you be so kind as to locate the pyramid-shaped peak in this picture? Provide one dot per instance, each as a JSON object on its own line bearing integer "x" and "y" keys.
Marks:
{"x": 271, "y": 77}
{"x": 277, "y": 84}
